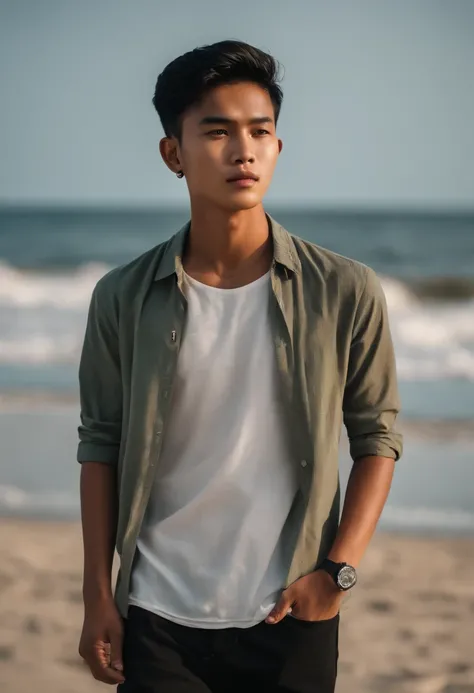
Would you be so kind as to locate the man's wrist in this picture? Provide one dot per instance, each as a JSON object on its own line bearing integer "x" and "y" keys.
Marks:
{"x": 96, "y": 592}
{"x": 343, "y": 554}
{"x": 342, "y": 574}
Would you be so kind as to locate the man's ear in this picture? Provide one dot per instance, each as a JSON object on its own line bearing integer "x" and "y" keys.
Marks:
{"x": 280, "y": 146}
{"x": 169, "y": 150}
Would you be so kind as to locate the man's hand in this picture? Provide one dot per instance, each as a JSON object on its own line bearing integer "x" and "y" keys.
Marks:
{"x": 101, "y": 641}
{"x": 314, "y": 597}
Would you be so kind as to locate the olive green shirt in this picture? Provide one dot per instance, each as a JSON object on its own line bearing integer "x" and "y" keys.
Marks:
{"x": 335, "y": 362}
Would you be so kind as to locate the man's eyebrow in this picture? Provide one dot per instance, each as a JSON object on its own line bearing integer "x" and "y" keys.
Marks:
{"x": 219, "y": 120}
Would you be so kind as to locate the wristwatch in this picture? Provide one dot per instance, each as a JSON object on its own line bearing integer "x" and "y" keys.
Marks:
{"x": 343, "y": 574}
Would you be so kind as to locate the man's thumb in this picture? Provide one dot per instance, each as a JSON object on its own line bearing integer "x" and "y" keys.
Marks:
{"x": 281, "y": 608}
{"x": 116, "y": 651}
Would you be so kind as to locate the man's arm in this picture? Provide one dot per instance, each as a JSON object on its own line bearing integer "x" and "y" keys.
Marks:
{"x": 99, "y": 433}
{"x": 102, "y": 633}
{"x": 367, "y": 491}
{"x": 99, "y": 526}
{"x": 370, "y": 407}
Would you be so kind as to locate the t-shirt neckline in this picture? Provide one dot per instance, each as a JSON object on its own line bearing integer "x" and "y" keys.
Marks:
{"x": 218, "y": 289}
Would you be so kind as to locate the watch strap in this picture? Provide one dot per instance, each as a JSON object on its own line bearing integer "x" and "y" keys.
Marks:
{"x": 332, "y": 568}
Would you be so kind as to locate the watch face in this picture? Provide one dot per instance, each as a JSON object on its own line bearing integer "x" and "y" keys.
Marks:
{"x": 347, "y": 577}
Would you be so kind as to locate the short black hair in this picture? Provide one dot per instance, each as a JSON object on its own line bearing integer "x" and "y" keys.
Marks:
{"x": 186, "y": 80}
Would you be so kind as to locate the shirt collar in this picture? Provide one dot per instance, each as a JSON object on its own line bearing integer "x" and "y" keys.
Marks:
{"x": 284, "y": 251}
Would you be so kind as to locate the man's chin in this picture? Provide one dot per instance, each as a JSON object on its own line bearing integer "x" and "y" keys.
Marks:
{"x": 238, "y": 203}
{"x": 230, "y": 203}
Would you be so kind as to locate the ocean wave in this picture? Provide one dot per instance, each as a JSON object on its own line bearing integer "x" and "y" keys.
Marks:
{"x": 41, "y": 348}
{"x": 42, "y": 315}
{"x": 22, "y": 288}
{"x": 42, "y": 320}
{"x": 433, "y": 340}
{"x": 19, "y": 287}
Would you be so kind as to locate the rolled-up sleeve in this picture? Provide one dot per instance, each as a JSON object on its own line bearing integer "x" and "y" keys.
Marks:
{"x": 371, "y": 399}
{"x": 100, "y": 381}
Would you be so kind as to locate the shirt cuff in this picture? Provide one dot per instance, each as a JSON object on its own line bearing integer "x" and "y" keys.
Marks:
{"x": 379, "y": 448}
{"x": 92, "y": 452}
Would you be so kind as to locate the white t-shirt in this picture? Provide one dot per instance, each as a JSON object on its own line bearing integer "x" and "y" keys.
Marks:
{"x": 215, "y": 545}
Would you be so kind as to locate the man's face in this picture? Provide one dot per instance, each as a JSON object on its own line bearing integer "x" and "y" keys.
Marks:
{"x": 230, "y": 132}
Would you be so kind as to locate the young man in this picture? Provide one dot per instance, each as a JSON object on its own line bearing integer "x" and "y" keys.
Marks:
{"x": 216, "y": 372}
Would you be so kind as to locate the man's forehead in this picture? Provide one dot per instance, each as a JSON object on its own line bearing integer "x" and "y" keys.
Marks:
{"x": 215, "y": 110}
{"x": 237, "y": 98}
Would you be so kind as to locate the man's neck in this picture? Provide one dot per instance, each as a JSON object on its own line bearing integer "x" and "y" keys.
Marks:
{"x": 228, "y": 250}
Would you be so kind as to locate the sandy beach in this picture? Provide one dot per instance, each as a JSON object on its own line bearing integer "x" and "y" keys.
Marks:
{"x": 407, "y": 628}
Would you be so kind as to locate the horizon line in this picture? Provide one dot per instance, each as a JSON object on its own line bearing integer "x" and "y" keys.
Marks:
{"x": 343, "y": 207}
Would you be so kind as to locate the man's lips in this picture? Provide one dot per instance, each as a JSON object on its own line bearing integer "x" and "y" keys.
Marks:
{"x": 246, "y": 175}
{"x": 243, "y": 182}
{"x": 244, "y": 179}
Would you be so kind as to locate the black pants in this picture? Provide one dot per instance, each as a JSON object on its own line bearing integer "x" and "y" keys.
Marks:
{"x": 164, "y": 657}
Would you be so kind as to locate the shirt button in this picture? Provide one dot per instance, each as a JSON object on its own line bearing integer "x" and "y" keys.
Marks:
{"x": 303, "y": 463}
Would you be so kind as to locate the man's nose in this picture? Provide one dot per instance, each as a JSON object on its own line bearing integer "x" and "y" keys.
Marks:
{"x": 243, "y": 152}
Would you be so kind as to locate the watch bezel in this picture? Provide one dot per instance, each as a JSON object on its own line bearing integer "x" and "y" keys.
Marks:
{"x": 344, "y": 569}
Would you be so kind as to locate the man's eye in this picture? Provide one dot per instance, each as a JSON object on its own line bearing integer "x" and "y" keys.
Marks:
{"x": 220, "y": 131}
{"x": 264, "y": 132}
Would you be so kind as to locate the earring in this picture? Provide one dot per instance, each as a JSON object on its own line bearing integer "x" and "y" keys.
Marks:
{"x": 180, "y": 174}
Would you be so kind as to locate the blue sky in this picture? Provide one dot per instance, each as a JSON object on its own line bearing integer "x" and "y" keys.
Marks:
{"x": 378, "y": 107}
